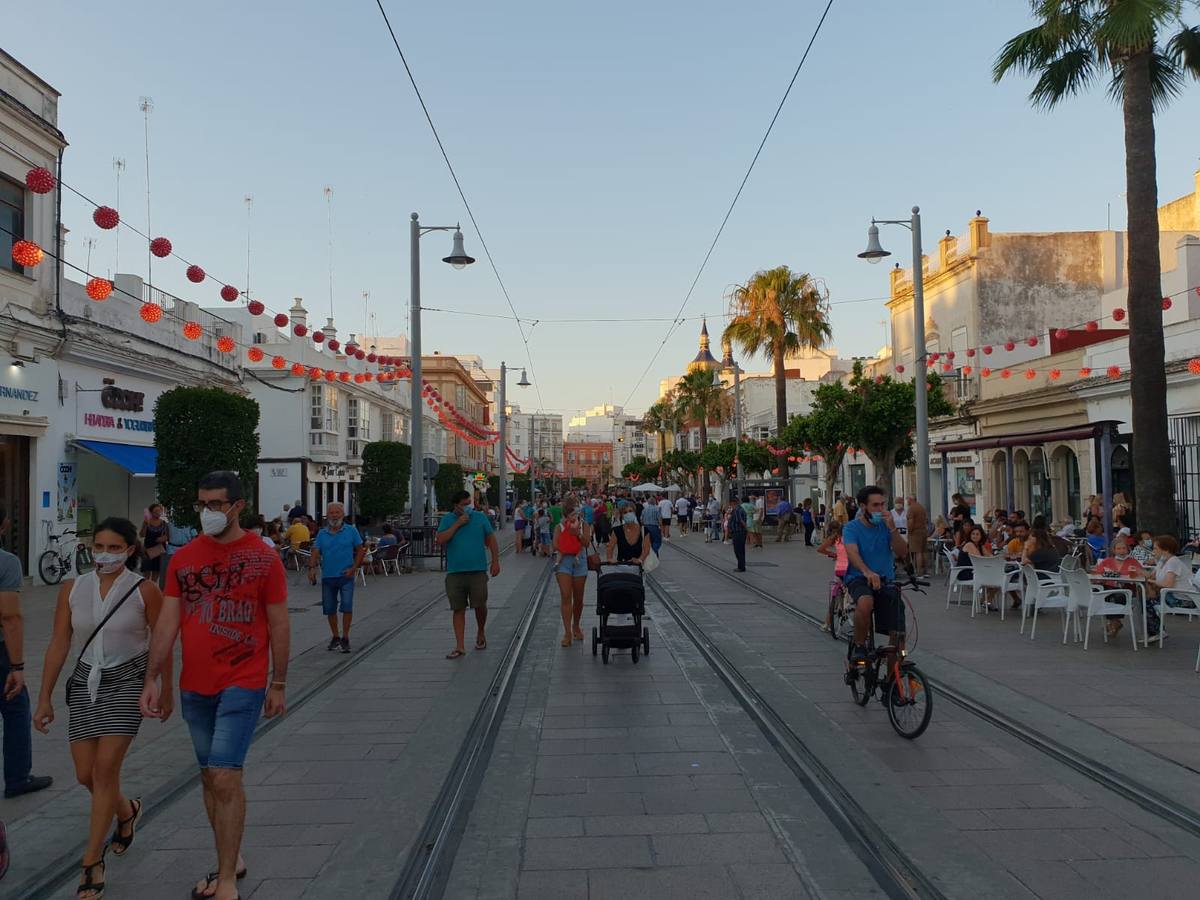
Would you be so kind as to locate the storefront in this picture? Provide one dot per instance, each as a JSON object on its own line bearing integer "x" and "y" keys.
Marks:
{"x": 26, "y": 396}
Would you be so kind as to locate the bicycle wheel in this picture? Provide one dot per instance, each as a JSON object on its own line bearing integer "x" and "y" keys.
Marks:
{"x": 83, "y": 559}
{"x": 910, "y": 713}
{"x": 862, "y": 682}
{"x": 50, "y": 567}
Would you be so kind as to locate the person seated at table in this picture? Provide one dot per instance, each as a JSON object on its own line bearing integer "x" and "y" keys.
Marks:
{"x": 1120, "y": 564}
{"x": 1143, "y": 548}
{"x": 1120, "y": 525}
{"x": 1016, "y": 543}
{"x": 388, "y": 538}
{"x": 974, "y": 543}
{"x": 1095, "y": 538}
{"x": 941, "y": 528}
{"x": 1039, "y": 552}
{"x": 1169, "y": 572}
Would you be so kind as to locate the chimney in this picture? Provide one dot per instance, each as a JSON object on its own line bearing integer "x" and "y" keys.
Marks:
{"x": 980, "y": 236}
{"x": 947, "y": 249}
{"x": 330, "y": 331}
{"x": 298, "y": 314}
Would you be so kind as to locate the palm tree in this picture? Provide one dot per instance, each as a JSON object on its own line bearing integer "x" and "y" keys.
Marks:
{"x": 1147, "y": 51}
{"x": 778, "y": 312}
{"x": 662, "y": 418}
{"x": 698, "y": 399}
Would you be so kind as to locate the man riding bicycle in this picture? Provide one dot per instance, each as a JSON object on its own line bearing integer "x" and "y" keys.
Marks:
{"x": 872, "y": 544}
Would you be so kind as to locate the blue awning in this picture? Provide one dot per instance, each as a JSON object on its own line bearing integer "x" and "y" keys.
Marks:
{"x": 140, "y": 462}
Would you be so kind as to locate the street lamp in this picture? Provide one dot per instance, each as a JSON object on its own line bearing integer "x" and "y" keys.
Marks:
{"x": 502, "y": 418}
{"x": 458, "y": 259}
{"x": 728, "y": 363}
{"x": 873, "y": 254}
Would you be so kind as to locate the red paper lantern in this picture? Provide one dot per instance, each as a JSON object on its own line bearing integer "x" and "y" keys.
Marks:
{"x": 967, "y": 370}
{"x": 255, "y": 307}
{"x": 949, "y": 354}
{"x": 367, "y": 376}
{"x": 27, "y": 253}
{"x": 40, "y": 180}
{"x": 225, "y": 344}
{"x": 195, "y": 274}
{"x": 360, "y": 354}
{"x": 987, "y": 349}
{"x": 300, "y": 330}
{"x": 1085, "y": 372}
{"x": 334, "y": 345}
{"x": 947, "y": 367}
{"x": 358, "y": 378}
{"x": 99, "y": 288}
{"x": 298, "y": 369}
{"x": 318, "y": 337}
{"x": 970, "y": 352}
{"x": 1006, "y": 373}
{"x": 343, "y": 376}
{"x": 192, "y": 331}
{"x": 775, "y": 471}
{"x": 1118, "y": 315}
{"x": 151, "y": 313}
{"x": 255, "y": 354}
{"x": 1194, "y": 365}
{"x": 1031, "y": 341}
{"x": 1055, "y": 374}
{"x": 351, "y": 348}
{"x": 331, "y": 376}
{"x": 1060, "y": 334}
{"x": 1030, "y": 374}
{"x": 1114, "y": 371}
{"x": 278, "y": 362}
{"x": 281, "y": 320}
{"x": 229, "y": 293}
{"x": 986, "y": 373}
{"x": 106, "y": 217}
{"x": 1166, "y": 303}
{"x": 930, "y": 363}
{"x": 160, "y": 247}
{"x": 1010, "y": 346}
{"x": 900, "y": 369}
{"x": 371, "y": 357}
{"x": 315, "y": 372}
{"x": 1092, "y": 327}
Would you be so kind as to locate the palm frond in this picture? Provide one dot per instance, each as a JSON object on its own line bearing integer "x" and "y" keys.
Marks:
{"x": 1064, "y": 76}
{"x": 1130, "y": 26}
{"x": 1184, "y": 51}
{"x": 1166, "y": 81}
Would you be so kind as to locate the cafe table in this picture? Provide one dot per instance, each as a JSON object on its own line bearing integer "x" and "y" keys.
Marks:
{"x": 1138, "y": 582}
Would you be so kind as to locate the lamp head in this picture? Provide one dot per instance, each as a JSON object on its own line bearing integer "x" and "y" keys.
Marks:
{"x": 524, "y": 382}
{"x": 458, "y": 256}
{"x": 874, "y": 252}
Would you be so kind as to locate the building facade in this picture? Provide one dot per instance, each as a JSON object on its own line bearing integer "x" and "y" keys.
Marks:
{"x": 536, "y": 436}
{"x": 590, "y": 460}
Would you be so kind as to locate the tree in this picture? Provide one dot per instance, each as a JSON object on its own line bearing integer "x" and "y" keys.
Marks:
{"x": 827, "y": 430}
{"x": 778, "y": 312}
{"x": 662, "y": 417}
{"x": 449, "y": 479}
{"x": 1148, "y": 53}
{"x": 201, "y": 430}
{"x": 698, "y": 400}
{"x": 386, "y": 469}
{"x": 680, "y": 466}
{"x": 642, "y": 468}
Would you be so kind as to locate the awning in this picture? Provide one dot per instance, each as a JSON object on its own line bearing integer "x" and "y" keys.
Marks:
{"x": 1029, "y": 438}
{"x": 138, "y": 461}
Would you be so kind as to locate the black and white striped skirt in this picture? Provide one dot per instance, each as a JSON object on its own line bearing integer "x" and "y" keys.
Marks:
{"x": 116, "y": 710}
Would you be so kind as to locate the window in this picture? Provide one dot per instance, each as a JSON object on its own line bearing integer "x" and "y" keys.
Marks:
{"x": 358, "y": 426}
{"x": 259, "y": 338}
{"x": 12, "y": 221}
{"x": 316, "y": 394}
{"x": 331, "y": 409}
{"x": 460, "y": 396}
{"x": 387, "y": 426}
{"x": 958, "y": 339}
{"x": 571, "y": 456}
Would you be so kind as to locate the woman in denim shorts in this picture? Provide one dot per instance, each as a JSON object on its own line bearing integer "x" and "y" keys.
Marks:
{"x": 571, "y": 540}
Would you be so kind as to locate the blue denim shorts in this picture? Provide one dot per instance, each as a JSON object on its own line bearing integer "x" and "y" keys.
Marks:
{"x": 333, "y": 589}
{"x": 575, "y": 566}
{"x": 222, "y": 725}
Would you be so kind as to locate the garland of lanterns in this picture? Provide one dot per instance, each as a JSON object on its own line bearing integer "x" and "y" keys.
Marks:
{"x": 518, "y": 465}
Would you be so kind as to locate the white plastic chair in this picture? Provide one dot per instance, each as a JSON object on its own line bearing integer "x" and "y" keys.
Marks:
{"x": 989, "y": 573}
{"x": 1186, "y": 603}
{"x": 954, "y": 583}
{"x": 1084, "y": 594}
{"x": 1041, "y": 590}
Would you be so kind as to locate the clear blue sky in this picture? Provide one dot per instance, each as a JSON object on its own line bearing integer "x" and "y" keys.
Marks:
{"x": 599, "y": 145}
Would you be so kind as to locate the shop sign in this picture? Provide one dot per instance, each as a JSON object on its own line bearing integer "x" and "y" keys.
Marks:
{"x": 935, "y": 459}
{"x": 127, "y": 401}
{"x": 14, "y": 393}
{"x": 120, "y": 423}
{"x": 278, "y": 471}
{"x": 116, "y": 414}
{"x": 67, "y": 498}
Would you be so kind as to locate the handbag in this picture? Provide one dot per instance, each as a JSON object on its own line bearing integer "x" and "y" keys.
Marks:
{"x": 91, "y": 637}
{"x": 155, "y": 551}
{"x": 593, "y": 558}
{"x": 651, "y": 562}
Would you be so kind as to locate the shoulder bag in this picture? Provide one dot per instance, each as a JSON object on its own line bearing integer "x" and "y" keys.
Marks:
{"x": 91, "y": 637}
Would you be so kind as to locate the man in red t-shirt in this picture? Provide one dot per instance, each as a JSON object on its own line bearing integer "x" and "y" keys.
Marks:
{"x": 226, "y": 593}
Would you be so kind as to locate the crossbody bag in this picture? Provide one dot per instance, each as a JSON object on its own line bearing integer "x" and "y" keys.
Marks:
{"x": 71, "y": 678}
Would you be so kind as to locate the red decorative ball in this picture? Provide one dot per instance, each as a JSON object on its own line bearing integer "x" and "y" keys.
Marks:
{"x": 255, "y": 354}
{"x": 1114, "y": 371}
{"x": 300, "y": 330}
{"x": 106, "y": 217}
{"x": 367, "y": 376}
{"x": 986, "y": 373}
{"x": 278, "y": 362}
{"x": 930, "y": 362}
{"x": 351, "y": 348}
{"x": 1031, "y": 341}
{"x": 343, "y": 376}
{"x": 192, "y": 331}
{"x": 281, "y": 320}
{"x": 255, "y": 307}
{"x": 987, "y": 349}
{"x": 318, "y": 337}
{"x": 298, "y": 369}
{"x": 1061, "y": 334}
{"x": 371, "y": 357}
{"x": 225, "y": 344}
{"x": 967, "y": 370}
{"x": 360, "y": 354}
{"x": 1010, "y": 346}
{"x": 99, "y": 288}
{"x": 1085, "y": 372}
{"x": 358, "y": 378}
{"x": 947, "y": 367}
{"x": 900, "y": 369}
{"x": 1092, "y": 327}
{"x": 1006, "y": 373}
{"x": 1055, "y": 374}
{"x": 229, "y": 293}
{"x": 1118, "y": 315}
{"x": 316, "y": 372}
{"x": 195, "y": 274}
{"x": 949, "y": 354}
{"x": 27, "y": 253}
{"x": 1194, "y": 365}
{"x": 40, "y": 180}
{"x": 334, "y": 345}
{"x": 1166, "y": 303}
{"x": 970, "y": 352}
{"x": 1030, "y": 374}
{"x": 331, "y": 376}
{"x": 160, "y": 247}
{"x": 151, "y": 313}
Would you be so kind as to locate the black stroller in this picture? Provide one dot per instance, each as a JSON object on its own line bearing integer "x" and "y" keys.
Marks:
{"x": 619, "y": 592}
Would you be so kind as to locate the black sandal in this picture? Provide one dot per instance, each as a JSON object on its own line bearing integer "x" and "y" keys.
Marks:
{"x": 121, "y": 844}
{"x": 97, "y": 887}
{"x": 210, "y": 878}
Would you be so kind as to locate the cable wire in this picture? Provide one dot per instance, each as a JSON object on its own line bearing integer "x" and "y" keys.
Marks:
{"x": 745, "y": 178}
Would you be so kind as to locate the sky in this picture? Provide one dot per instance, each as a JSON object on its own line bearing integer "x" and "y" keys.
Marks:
{"x": 599, "y": 146}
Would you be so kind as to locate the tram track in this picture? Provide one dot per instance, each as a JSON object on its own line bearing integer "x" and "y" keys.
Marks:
{"x": 1094, "y": 770}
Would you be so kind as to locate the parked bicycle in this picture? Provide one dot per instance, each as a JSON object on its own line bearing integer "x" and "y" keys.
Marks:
{"x": 64, "y": 552}
{"x": 902, "y": 687}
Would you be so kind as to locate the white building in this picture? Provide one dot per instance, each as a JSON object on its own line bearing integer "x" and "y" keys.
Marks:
{"x": 537, "y": 436}
{"x": 611, "y": 424}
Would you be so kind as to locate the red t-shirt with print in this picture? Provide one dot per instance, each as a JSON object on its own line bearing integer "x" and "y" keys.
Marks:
{"x": 224, "y": 590}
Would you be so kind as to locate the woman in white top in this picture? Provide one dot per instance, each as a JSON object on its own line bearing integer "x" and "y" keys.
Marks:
{"x": 105, "y": 684}
{"x": 1169, "y": 572}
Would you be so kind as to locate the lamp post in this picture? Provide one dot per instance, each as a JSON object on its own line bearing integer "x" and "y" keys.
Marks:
{"x": 458, "y": 259}
{"x": 873, "y": 254}
{"x": 728, "y": 363}
{"x": 502, "y": 420}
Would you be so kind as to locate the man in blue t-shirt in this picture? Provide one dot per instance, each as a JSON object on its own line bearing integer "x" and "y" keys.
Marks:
{"x": 469, "y": 538}
{"x": 872, "y": 545}
{"x": 338, "y": 550}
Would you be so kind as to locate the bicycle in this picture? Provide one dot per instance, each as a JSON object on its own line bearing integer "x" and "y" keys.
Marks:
{"x": 57, "y": 561}
{"x": 903, "y": 688}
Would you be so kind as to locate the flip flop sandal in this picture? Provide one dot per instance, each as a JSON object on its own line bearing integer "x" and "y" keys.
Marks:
{"x": 578, "y": 634}
{"x": 456, "y": 654}
{"x": 121, "y": 844}
{"x": 565, "y": 642}
{"x": 209, "y": 879}
{"x": 481, "y": 645}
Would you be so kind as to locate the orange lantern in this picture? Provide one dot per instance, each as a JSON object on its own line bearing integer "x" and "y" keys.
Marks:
{"x": 255, "y": 354}
{"x": 1030, "y": 374}
{"x": 278, "y": 362}
{"x": 1055, "y": 374}
{"x": 1194, "y": 365}
{"x": 1006, "y": 373}
{"x": 298, "y": 369}
{"x": 99, "y": 288}
{"x": 27, "y": 254}
{"x": 192, "y": 331}
{"x": 225, "y": 344}
{"x": 1114, "y": 371}
{"x": 151, "y": 313}
{"x": 986, "y": 373}
{"x": 1085, "y": 372}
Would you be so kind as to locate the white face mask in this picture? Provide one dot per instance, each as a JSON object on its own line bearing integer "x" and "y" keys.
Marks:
{"x": 334, "y": 524}
{"x": 107, "y": 563}
{"x": 213, "y": 523}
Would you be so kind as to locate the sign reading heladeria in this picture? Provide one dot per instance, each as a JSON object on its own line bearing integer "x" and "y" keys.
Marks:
{"x": 121, "y": 413}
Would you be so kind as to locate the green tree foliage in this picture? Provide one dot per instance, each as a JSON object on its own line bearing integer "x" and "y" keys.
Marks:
{"x": 644, "y": 469}
{"x": 699, "y": 401}
{"x": 386, "y": 470}
{"x": 827, "y": 430}
{"x": 201, "y": 430}
{"x": 449, "y": 479}
{"x": 680, "y": 466}
{"x": 1147, "y": 54}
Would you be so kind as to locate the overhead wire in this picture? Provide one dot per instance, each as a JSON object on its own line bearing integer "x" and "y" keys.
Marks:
{"x": 462, "y": 195}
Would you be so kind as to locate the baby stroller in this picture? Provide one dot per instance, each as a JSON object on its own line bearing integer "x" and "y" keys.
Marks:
{"x": 619, "y": 592}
